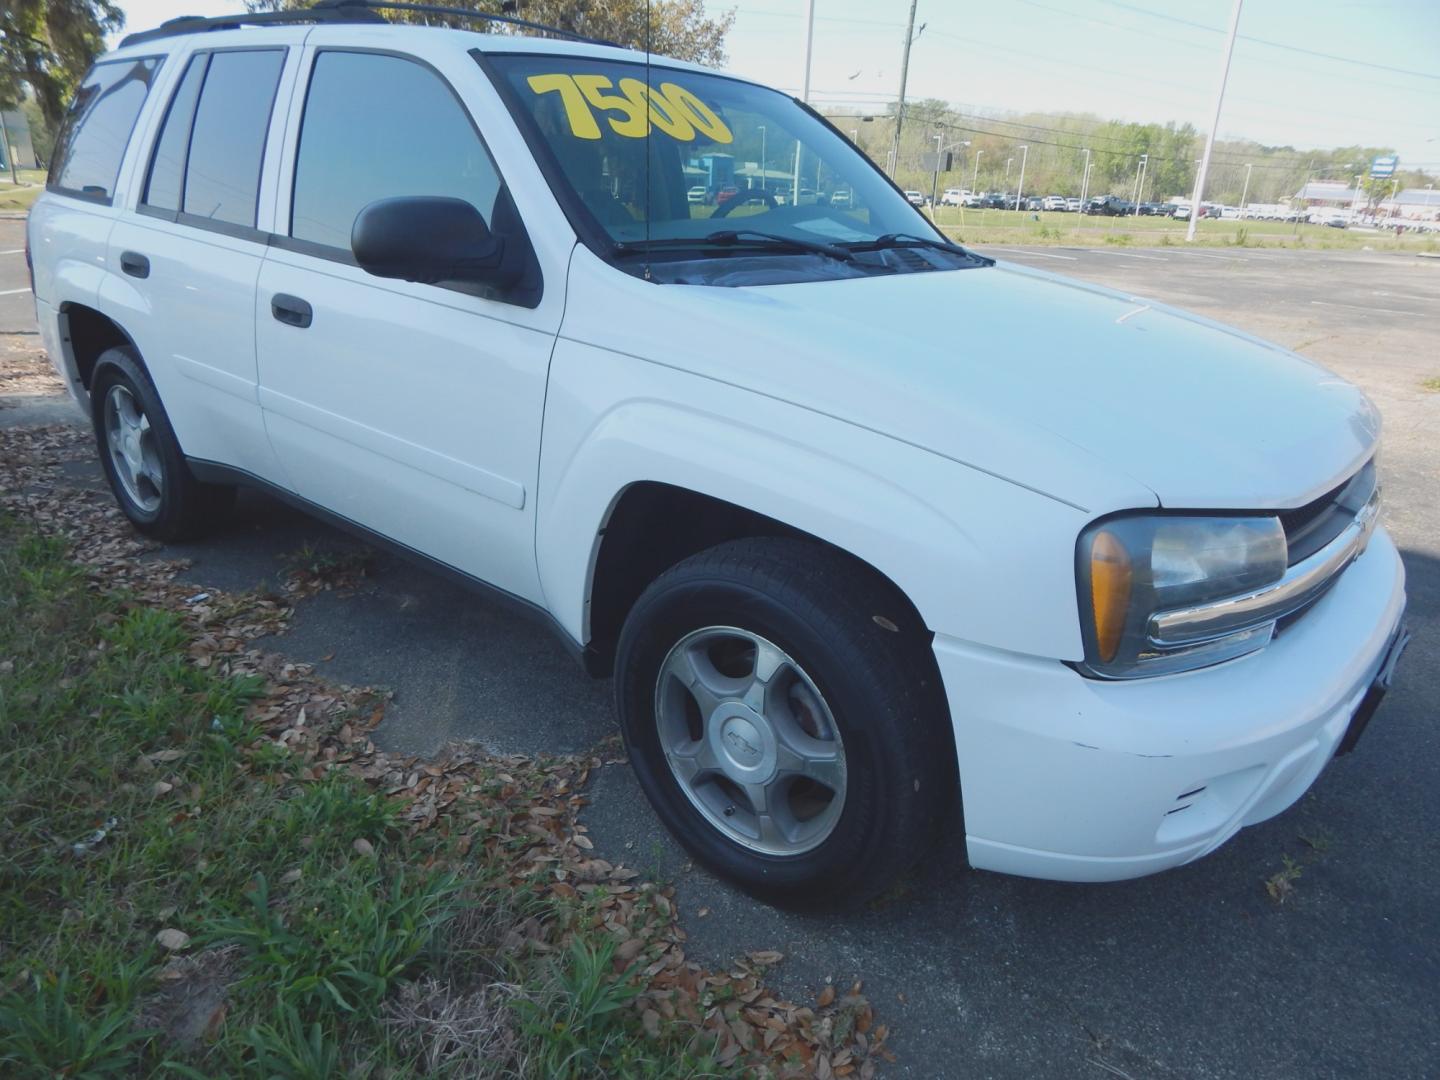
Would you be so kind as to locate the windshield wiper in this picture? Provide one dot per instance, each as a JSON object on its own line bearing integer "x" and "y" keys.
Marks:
{"x": 896, "y": 240}
{"x": 739, "y": 238}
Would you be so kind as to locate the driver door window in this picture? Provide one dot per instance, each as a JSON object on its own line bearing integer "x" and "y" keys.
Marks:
{"x": 375, "y": 127}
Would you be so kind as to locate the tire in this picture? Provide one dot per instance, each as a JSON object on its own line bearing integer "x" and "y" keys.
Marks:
{"x": 851, "y": 677}
{"x": 142, "y": 460}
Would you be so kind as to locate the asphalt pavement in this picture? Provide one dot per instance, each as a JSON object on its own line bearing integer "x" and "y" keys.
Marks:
{"x": 1194, "y": 973}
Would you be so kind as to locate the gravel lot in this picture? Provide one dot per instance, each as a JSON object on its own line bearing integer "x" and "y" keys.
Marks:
{"x": 1195, "y": 973}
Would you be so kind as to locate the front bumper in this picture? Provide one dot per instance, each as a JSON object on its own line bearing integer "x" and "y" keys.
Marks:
{"x": 1078, "y": 779}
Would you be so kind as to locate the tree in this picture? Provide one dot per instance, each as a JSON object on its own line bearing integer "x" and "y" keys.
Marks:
{"x": 49, "y": 44}
{"x": 676, "y": 28}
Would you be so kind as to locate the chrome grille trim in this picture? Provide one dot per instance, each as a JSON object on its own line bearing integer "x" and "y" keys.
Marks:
{"x": 1303, "y": 583}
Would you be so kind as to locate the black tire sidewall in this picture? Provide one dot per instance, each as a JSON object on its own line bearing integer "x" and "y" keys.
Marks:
{"x": 120, "y": 367}
{"x": 878, "y": 784}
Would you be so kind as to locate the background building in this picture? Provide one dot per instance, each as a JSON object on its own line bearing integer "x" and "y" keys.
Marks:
{"x": 20, "y": 149}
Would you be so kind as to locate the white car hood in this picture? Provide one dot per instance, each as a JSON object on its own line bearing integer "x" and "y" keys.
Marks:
{"x": 1091, "y": 396}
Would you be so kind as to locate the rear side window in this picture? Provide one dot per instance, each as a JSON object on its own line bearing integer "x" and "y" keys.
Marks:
{"x": 98, "y": 126}
{"x": 376, "y": 127}
{"x": 166, "y": 184}
{"x": 227, "y": 138}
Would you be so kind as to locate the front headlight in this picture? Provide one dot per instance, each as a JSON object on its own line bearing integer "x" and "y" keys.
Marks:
{"x": 1130, "y": 568}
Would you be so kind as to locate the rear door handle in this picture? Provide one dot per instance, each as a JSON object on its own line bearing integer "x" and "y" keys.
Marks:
{"x": 134, "y": 264}
{"x": 291, "y": 310}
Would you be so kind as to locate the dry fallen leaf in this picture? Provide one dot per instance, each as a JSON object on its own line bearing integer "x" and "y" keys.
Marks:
{"x": 172, "y": 939}
{"x": 364, "y": 848}
{"x": 827, "y": 997}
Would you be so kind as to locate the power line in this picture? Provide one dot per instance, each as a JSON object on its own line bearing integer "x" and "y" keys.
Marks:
{"x": 1275, "y": 44}
{"x": 1150, "y": 35}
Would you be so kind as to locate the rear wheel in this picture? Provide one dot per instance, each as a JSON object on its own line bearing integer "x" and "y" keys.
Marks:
{"x": 141, "y": 457}
{"x": 783, "y": 717}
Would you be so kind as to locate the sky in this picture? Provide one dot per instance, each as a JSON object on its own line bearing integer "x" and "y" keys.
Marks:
{"x": 1145, "y": 60}
{"x": 1352, "y": 72}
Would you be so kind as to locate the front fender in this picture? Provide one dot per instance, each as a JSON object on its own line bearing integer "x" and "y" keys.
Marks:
{"x": 980, "y": 558}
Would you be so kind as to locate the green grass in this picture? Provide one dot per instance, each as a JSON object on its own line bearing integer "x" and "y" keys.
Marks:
{"x": 981, "y": 227}
{"x": 138, "y": 795}
{"x": 18, "y": 198}
{"x": 1432, "y": 384}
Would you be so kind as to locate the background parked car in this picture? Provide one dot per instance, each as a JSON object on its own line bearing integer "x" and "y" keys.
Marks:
{"x": 973, "y": 201}
{"x": 1053, "y": 202}
{"x": 1109, "y": 206}
{"x": 997, "y": 200}
{"x": 696, "y": 194}
{"x": 1072, "y": 205}
{"x": 953, "y": 197}
{"x": 915, "y": 198}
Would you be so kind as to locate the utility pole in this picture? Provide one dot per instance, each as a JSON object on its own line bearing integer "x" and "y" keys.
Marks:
{"x": 1085, "y": 181}
{"x": 1245, "y": 191}
{"x": 805, "y": 94}
{"x": 1020, "y": 188}
{"x": 904, "y": 74}
{"x": 1215, "y": 123}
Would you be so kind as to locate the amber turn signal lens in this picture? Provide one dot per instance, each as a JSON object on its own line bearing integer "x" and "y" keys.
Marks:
{"x": 1110, "y": 578}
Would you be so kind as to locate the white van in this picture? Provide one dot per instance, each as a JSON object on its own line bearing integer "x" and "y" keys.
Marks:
{"x": 1098, "y": 588}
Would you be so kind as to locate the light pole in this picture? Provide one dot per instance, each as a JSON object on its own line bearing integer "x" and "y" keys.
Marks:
{"x": 1020, "y": 187}
{"x": 1215, "y": 122}
{"x": 975, "y": 180}
{"x": 935, "y": 180}
{"x": 1246, "y": 189}
{"x": 1139, "y": 165}
{"x": 1085, "y": 181}
{"x": 1008, "y": 160}
{"x": 935, "y": 177}
{"x": 1356, "y": 200}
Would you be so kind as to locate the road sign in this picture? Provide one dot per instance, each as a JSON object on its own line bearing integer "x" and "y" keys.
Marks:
{"x": 1384, "y": 167}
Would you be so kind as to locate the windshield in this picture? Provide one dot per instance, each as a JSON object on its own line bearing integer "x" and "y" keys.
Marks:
{"x": 736, "y": 174}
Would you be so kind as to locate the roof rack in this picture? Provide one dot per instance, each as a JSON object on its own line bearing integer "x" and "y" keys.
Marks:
{"x": 344, "y": 11}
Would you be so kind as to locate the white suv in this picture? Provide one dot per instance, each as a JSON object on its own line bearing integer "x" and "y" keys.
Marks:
{"x": 1112, "y": 576}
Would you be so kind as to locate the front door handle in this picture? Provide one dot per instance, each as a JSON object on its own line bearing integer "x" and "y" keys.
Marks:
{"x": 291, "y": 310}
{"x": 135, "y": 264}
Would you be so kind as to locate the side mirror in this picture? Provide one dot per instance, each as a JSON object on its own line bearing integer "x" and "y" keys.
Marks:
{"x": 427, "y": 238}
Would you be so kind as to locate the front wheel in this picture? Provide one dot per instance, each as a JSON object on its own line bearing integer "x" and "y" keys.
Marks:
{"x": 784, "y": 718}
